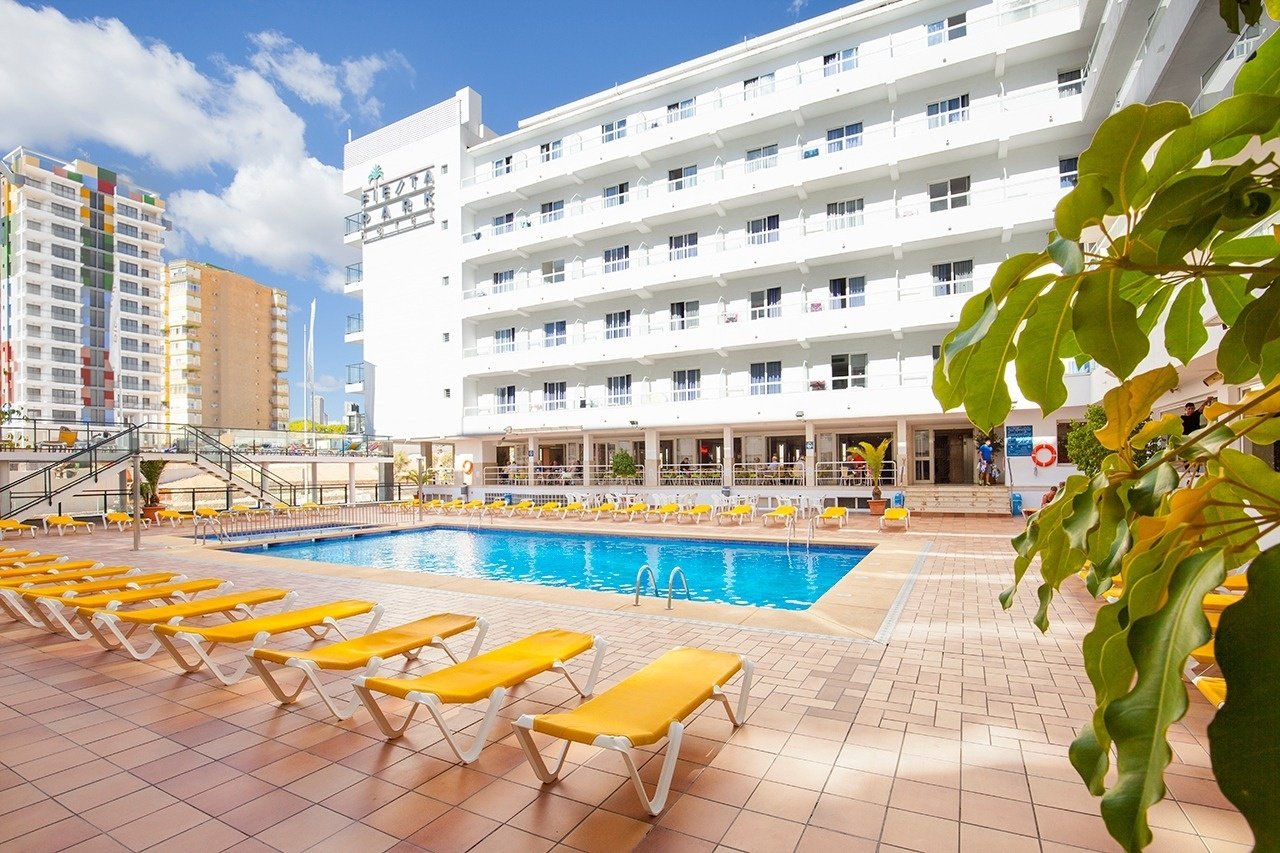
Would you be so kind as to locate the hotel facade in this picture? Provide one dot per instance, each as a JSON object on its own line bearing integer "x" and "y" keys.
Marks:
{"x": 745, "y": 264}
{"x": 81, "y": 292}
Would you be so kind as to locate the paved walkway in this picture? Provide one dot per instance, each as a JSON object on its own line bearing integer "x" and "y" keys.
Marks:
{"x": 952, "y": 736}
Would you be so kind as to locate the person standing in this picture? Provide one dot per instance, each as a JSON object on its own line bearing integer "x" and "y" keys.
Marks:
{"x": 985, "y": 453}
{"x": 1191, "y": 416}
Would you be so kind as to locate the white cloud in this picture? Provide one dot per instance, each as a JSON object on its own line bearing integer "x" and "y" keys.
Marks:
{"x": 795, "y": 7}
{"x": 325, "y": 384}
{"x": 281, "y": 208}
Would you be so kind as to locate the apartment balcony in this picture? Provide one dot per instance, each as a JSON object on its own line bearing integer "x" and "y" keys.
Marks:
{"x": 795, "y": 172}
{"x": 355, "y": 378}
{"x": 1011, "y": 29}
{"x": 355, "y": 279}
{"x": 995, "y": 210}
{"x": 355, "y": 329}
{"x": 354, "y": 233}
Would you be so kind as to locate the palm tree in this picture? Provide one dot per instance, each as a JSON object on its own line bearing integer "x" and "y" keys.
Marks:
{"x": 873, "y": 455}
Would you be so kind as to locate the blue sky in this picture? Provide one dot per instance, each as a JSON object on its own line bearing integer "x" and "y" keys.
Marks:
{"x": 237, "y": 111}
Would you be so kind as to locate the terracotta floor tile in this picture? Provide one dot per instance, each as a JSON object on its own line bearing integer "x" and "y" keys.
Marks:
{"x": 325, "y": 782}
{"x": 920, "y": 832}
{"x": 605, "y": 832}
{"x": 366, "y": 795}
{"x": 406, "y": 814}
{"x": 500, "y": 800}
{"x": 818, "y": 840}
{"x": 783, "y": 801}
{"x": 356, "y": 836}
{"x": 981, "y": 839}
{"x": 850, "y": 817}
{"x": 263, "y": 811}
{"x": 997, "y": 813}
{"x": 305, "y": 829}
{"x": 129, "y": 808}
{"x": 802, "y": 774}
{"x": 724, "y": 787}
{"x": 209, "y": 837}
{"x": 663, "y": 840}
{"x": 700, "y": 818}
{"x": 759, "y": 833}
{"x": 455, "y": 785}
{"x": 551, "y": 816}
{"x": 933, "y": 800}
{"x": 454, "y": 830}
{"x": 226, "y": 796}
{"x": 158, "y": 826}
{"x": 1218, "y": 823}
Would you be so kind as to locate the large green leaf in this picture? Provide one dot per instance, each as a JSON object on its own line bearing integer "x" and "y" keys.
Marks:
{"x": 1184, "y": 330}
{"x": 1241, "y": 116}
{"x": 1106, "y": 324}
{"x": 1188, "y": 197}
{"x": 1262, "y": 73}
{"x": 1039, "y": 360}
{"x": 1120, "y": 144}
{"x": 1130, "y": 404}
{"x": 1139, "y": 721}
{"x": 1242, "y": 351}
{"x": 986, "y": 397}
{"x": 1243, "y": 743}
{"x": 1246, "y": 250}
{"x": 1085, "y": 205}
{"x": 1229, "y": 294}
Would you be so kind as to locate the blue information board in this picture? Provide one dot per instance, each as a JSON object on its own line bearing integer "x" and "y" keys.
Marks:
{"x": 1017, "y": 441}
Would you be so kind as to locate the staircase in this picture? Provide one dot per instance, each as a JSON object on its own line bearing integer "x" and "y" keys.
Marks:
{"x": 41, "y": 489}
{"x": 237, "y": 470}
{"x": 958, "y": 500}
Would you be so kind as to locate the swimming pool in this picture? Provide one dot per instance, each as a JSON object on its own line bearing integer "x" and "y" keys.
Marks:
{"x": 744, "y": 573}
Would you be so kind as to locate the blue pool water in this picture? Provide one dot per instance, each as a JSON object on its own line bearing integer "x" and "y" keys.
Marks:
{"x": 747, "y": 573}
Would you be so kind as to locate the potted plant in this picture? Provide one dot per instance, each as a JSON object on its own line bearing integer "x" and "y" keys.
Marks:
{"x": 873, "y": 456}
{"x": 149, "y": 486}
{"x": 623, "y": 464}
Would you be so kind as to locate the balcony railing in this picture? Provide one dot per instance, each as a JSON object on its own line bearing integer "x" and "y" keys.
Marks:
{"x": 980, "y": 25}
{"x": 355, "y": 222}
{"x": 355, "y": 323}
{"x": 867, "y": 147}
{"x": 355, "y": 374}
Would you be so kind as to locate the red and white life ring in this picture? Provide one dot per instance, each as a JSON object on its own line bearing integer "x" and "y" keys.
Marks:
{"x": 1045, "y": 455}
{"x": 468, "y": 467}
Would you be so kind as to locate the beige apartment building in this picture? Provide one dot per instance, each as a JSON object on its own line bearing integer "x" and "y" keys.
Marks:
{"x": 226, "y": 349}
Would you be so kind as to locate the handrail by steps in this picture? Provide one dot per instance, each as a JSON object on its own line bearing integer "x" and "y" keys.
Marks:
{"x": 671, "y": 582}
{"x": 282, "y": 489}
{"x": 653, "y": 580}
{"x": 92, "y": 457}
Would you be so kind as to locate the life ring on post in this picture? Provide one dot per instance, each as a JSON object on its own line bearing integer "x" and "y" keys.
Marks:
{"x": 1045, "y": 455}
{"x": 468, "y": 467}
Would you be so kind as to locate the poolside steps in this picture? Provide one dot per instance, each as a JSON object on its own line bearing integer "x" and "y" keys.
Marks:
{"x": 958, "y": 500}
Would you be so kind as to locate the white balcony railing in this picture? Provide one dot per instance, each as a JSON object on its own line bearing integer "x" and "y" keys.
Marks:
{"x": 980, "y": 28}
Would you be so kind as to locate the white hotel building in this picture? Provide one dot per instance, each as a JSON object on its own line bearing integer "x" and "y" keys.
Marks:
{"x": 754, "y": 254}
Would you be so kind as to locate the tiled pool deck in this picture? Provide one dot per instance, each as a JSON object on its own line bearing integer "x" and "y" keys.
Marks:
{"x": 950, "y": 736}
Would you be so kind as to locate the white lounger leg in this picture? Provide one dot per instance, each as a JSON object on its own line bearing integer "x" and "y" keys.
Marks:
{"x": 311, "y": 673}
{"x": 482, "y": 627}
{"x": 600, "y": 645}
{"x": 119, "y": 639}
{"x": 229, "y": 676}
{"x": 466, "y": 756}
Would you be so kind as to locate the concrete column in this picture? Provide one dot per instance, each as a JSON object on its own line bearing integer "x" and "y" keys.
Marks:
{"x": 810, "y": 454}
{"x": 6, "y": 499}
{"x": 902, "y": 452}
{"x": 531, "y": 457}
{"x": 651, "y": 458}
{"x": 351, "y": 482}
{"x": 726, "y": 474}
{"x": 315, "y": 487}
{"x": 586, "y": 459}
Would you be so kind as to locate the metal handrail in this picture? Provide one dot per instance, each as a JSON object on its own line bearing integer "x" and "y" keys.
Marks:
{"x": 684, "y": 581}
{"x": 653, "y": 580}
{"x": 282, "y": 487}
{"x": 90, "y": 456}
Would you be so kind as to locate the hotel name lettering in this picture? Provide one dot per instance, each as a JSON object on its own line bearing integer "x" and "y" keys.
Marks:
{"x": 393, "y": 206}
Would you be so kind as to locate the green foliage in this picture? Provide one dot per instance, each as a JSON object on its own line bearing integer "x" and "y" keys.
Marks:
{"x": 1161, "y": 231}
{"x": 873, "y": 455}
{"x": 313, "y": 426}
{"x": 149, "y": 485}
{"x": 623, "y": 464}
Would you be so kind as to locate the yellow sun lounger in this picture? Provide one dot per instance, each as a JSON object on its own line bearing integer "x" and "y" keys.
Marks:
{"x": 641, "y": 710}
{"x": 59, "y": 613}
{"x": 631, "y": 511}
{"x": 30, "y": 559}
{"x": 782, "y": 514}
{"x": 834, "y": 514}
{"x": 696, "y": 514}
{"x": 607, "y": 506}
{"x": 520, "y": 507}
{"x": 70, "y": 571}
{"x": 114, "y": 629}
{"x": 316, "y": 621}
{"x": 577, "y": 507}
{"x": 739, "y": 513}
{"x": 172, "y": 516}
{"x": 1220, "y": 601}
{"x": 121, "y": 519}
{"x": 63, "y": 523}
{"x": 896, "y": 515}
{"x": 17, "y": 553}
{"x": 486, "y": 676}
{"x": 10, "y": 525}
{"x": 16, "y": 601}
{"x": 1213, "y": 689}
{"x": 663, "y": 512}
{"x": 538, "y": 511}
{"x": 367, "y": 653}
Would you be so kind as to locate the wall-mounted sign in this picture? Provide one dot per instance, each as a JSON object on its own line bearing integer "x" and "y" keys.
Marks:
{"x": 1017, "y": 441}
{"x": 808, "y": 446}
{"x": 397, "y": 205}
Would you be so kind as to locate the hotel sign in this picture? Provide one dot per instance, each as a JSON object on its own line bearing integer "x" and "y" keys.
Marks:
{"x": 395, "y": 205}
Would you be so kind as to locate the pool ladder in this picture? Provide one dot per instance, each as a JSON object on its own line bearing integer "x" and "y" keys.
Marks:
{"x": 653, "y": 583}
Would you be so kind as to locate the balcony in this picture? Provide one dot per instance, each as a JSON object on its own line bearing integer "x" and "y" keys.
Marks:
{"x": 354, "y": 229}
{"x": 355, "y": 279}
{"x": 795, "y": 170}
{"x": 774, "y": 97}
{"x": 355, "y": 378}
{"x": 355, "y": 329}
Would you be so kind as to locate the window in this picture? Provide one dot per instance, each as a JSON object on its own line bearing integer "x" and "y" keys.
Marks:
{"x": 840, "y": 61}
{"x": 1064, "y": 453}
{"x": 127, "y": 325}
{"x": 128, "y": 268}
{"x": 686, "y": 385}
{"x": 1070, "y": 83}
{"x": 766, "y": 378}
{"x": 505, "y": 398}
{"x": 616, "y": 194}
{"x": 554, "y": 334}
{"x": 63, "y": 211}
{"x": 68, "y": 233}
{"x": 62, "y": 190}
{"x": 502, "y": 166}
{"x": 1068, "y": 172}
{"x": 681, "y": 109}
{"x": 946, "y": 195}
{"x": 64, "y": 415}
{"x": 127, "y": 210}
{"x": 849, "y": 371}
{"x": 764, "y": 157}
{"x": 844, "y": 214}
{"x": 618, "y": 259}
{"x": 448, "y": 392}
{"x": 553, "y": 271}
{"x": 33, "y": 310}
{"x": 948, "y": 111}
{"x": 755, "y": 87}
{"x": 682, "y": 178}
{"x": 952, "y": 277}
{"x": 617, "y": 324}
{"x": 552, "y": 211}
{"x": 684, "y": 315}
{"x": 124, "y": 229}
{"x": 618, "y": 390}
{"x": 129, "y": 305}
{"x": 445, "y": 337}
{"x": 504, "y": 340}
{"x": 64, "y": 252}
{"x": 504, "y": 281}
{"x": 840, "y": 138}
{"x": 848, "y": 292}
{"x": 549, "y": 151}
{"x": 66, "y": 294}
{"x": 128, "y": 363}
{"x": 444, "y": 280}
{"x": 127, "y": 249}
{"x": 444, "y": 225}
{"x": 64, "y": 273}
{"x": 33, "y": 352}
{"x": 762, "y": 230}
{"x": 939, "y": 32}
{"x": 555, "y": 396}
{"x": 766, "y": 303}
{"x": 61, "y": 374}
{"x": 613, "y": 130}
{"x": 504, "y": 224}
{"x": 936, "y": 351}
{"x": 682, "y": 246}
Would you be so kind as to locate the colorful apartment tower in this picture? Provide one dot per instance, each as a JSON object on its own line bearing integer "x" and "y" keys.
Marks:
{"x": 81, "y": 288}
